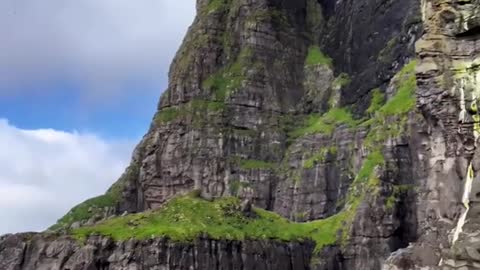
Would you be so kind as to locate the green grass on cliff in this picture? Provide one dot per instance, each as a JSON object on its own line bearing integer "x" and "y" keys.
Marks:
{"x": 167, "y": 115}
{"x": 404, "y": 100}
{"x": 276, "y": 16}
{"x": 97, "y": 205}
{"x": 389, "y": 120}
{"x": 372, "y": 161}
{"x": 186, "y": 218}
{"x": 86, "y": 210}
{"x": 230, "y": 78}
{"x": 316, "y": 57}
{"x": 385, "y": 54}
{"x": 326, "y": 123}
{"x": 196, "y": 109}
{"x": 397, "y": 106}
{"x": 216, "y": 5}
{"x": 320, "y": 156}
{"x": 377, "y": 101}
{"x": 342, "y": 80}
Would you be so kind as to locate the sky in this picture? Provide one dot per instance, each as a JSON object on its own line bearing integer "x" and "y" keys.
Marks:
{"x": 79, "y": 83}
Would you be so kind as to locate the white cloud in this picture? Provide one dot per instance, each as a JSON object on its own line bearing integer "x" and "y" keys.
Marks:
{"x": 102, "y": 44}
{"x": 43, "y": 173}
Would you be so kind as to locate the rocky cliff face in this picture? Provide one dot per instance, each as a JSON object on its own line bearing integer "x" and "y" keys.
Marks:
{"x": 356, "y": 121}
{"x": 447, "y": 96}
{"x": 47, "y": 253}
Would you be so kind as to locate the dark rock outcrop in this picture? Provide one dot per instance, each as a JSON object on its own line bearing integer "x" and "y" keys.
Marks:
{"x": 43, "y": 252}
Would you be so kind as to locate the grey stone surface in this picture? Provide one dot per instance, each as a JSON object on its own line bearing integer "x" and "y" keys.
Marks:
{"x": 236, "y": 140}
{"x": 61, "y": 253}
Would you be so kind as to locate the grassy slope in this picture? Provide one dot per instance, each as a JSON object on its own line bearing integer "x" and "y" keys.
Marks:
{"x": 316, "y": 57}
{"x": 326, "y": 123}
{"x": 185, "y": 218}
{"x": 97, "y": 205}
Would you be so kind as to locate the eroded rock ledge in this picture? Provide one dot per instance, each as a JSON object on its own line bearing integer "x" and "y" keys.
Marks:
{"x": 48, "y": 252}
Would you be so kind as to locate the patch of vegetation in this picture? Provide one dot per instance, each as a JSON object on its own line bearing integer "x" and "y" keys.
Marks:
{"x": 86, "y": 210}
{"x": 300, "y": 216}
{"x": 274, "y": 15}
{"x": 223, "y": 82}
{"x": 372, "y": 161}
{"x": 377, "y": 101}
{"x": 186, "y": 218}
{"x": 194, "y": 41}
{"x": 316, "y": 57}
{"x": 251, "y": 164}
{"x": 365, "y": 181}
{"x": 196, "y": 108}
{"x": 313, "y": 124}
{"x": 341, "y": 81}
{"x": 288, "y": 123}
{"x": 167, "y": 115}
{"x": 236, "y": 185}
{"x": 399, "y": 105}
{"x": 381, "y": 128}
{"x": 319, "y": 157}
{"x": 389, "y": 120}
{"x": 404, "y": 99}
{"x": 329, "y": 231}
{"x": 386, "y": 52}
{"x": 216, "y": 6}
{"x": 97, "y": 205}
{"x": 367, "y": 176}
{"x": 326, "y": 123}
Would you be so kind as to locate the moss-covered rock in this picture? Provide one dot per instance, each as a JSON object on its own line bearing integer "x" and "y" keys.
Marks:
{"x": 316, "y": 57}
{"x": 186, "y": 218}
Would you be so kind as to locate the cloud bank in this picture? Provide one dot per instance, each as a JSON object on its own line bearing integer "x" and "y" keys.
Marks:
{"x": 103, "y": 45}
{"x": 43, "y": 173}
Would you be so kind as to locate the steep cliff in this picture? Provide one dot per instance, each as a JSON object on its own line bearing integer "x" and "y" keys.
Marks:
{"x": 298, "y": 134}
{"x": 448, "y": 91}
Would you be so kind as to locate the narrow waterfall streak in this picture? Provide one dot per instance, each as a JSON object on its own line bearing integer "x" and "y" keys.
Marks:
{"x": 424, "y": 10}
{"x": 463, "y": 106}
{"x": 466, "y": 203}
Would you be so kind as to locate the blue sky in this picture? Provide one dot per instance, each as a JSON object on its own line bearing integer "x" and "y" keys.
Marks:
{"x": 79, "y": 83}
{"x": 94, "y": 65}
{"x": 125, "y": 117}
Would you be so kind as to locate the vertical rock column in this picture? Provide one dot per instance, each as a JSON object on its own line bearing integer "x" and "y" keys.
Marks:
{"x": 448, "y": 74}
{"x": 219, "y": 126}
{"x": 448, "y": 91}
